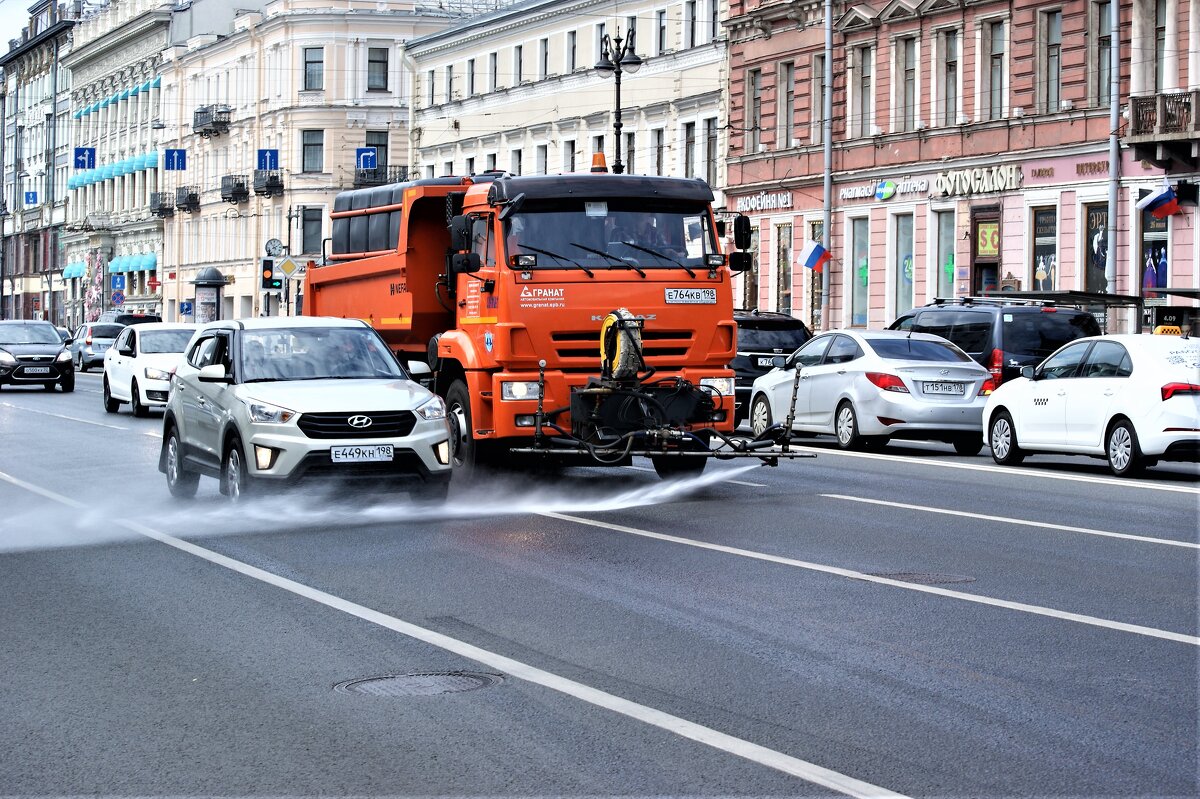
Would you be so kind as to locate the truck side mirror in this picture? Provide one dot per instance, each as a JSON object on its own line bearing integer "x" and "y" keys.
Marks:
{"x": 465, "y": 263}
{"x": 460, "y": 233}
{"x": 740, "y": 261}
{"x": 741, "y": 232}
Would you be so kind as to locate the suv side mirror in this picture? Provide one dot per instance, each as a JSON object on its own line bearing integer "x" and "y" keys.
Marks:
{"x": 214, "y": 373}
{"x": 1028, "y": 373}
{"x": 740, "y": 261}
{"x": 741, "y": 232}
{"x": 460, "y": 233}
{"x": 418, "y": 369}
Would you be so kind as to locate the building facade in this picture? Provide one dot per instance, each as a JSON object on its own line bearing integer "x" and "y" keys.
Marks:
{"x": 970, "y": 151}
{"x": 34, "y": 154}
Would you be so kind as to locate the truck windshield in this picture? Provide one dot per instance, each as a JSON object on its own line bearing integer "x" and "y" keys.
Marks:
{"x": 610, "y": 234}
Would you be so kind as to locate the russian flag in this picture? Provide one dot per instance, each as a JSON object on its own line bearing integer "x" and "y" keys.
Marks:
{"x": 1160, "y": 204}
{"x": 814, "y": 256}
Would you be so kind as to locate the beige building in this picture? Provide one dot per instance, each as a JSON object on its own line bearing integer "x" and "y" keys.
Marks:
{"x": 309, "y": 85}
{"x": 517, "y": 90}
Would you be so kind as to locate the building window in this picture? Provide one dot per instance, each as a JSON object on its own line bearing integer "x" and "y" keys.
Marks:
{"x": 816, "y": 99}
{"x": 711, "y": 156}
{"x": 948, "y": 90}
{"x": 379, "y": 140}
{"x": 311, "y": 224}
{"x": 314, "y": 69}
{"x": 490, "y": 162}
{"x": 995, "y": 40}
{"x": 429, "y": 171}
{"x": 1051, "y": 77}
{"x": 1095, "y": 247}
{"x": 449, "y": 82}
{"x": 601, "y": 29}
{"x": 786, "y": 94}
{"x": 816, "y": 232}
{"x": 689, "y": 150}
{"x": 1154, "y": 264}
{"x": 493, "y": 71}
{"x": 714, "y": 20}
{"x": 660, "y": 32}
{"x": 470, "y": 77}
{"x": 1045, "y": 249}
{"x": 313, "y": 146}
{"x": 754, "y": 111}
{"x": 906, "y": 90}
{"x": 543, "y": 59}
{"x": 572, "y": 51}
{"x": 945, "y": 254}
{"x": 864, "y": 92}
{"x": 902, "y": 262}
{"x": 783, "y": 268}
{"x": 542, "y": 159}
{"x": 1103, "y": 59}
{"x": 630, "y": 143}
{"x": 470, "y": 170}
{"x": 597, "y": 144}
{"x": 429, "y": 85}
{"x": 658, "y": 149}
{"x": 689, "y": 23}
{"x": 569, "y": 155}
{"x": 377, "y": 68}
{"x": 631, "y": 30}
{"x": 518, "y": 64}
{"x": 750, "y": 276}
{"x": 515, "y": 162}
{"x": 1160, "y": 44}
{"x": 859, "y": 272}
{"x": 448, "y": 168}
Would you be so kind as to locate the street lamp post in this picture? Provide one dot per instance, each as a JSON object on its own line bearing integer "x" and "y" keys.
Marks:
{"x": 616, "y": 56}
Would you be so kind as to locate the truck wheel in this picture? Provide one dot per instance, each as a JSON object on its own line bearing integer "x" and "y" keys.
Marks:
{"x": 465, "y": 455}
{"x": 669, "y": 466}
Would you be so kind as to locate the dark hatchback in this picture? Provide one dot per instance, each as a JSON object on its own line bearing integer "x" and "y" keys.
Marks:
{"x": 32, "y": 353}
{"x": 761, "y": 336}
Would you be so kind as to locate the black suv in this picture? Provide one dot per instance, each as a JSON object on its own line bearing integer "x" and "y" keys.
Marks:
{"x": 32, "y": 353}
{"x": 761, "y": 336}
{"x": 123, "y": 318}
{"x": 1001, "y": 334}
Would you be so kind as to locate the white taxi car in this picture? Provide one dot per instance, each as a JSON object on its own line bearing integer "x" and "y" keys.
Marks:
{"x": 1133, "y": 399}
{"x": 137, "y": 367}
{"x": 278, "y": 400}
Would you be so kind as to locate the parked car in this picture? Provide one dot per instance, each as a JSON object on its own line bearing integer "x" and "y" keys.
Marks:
{"x": 126, "y": 318}
{"x": 137, "y": 367}
{"x": 867, "y": 387}
{"x": 32, "y": 353}
{"x": 1001, "y": 334}
{"x": 91, "y": 341}
{"x": 281, "y": 399}
{"x": 1133, "y": 399}
{"x": 761, "y": 336}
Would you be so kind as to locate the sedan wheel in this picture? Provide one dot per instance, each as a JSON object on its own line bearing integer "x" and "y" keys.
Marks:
{"x": 110, "y": 404}
{"x": 1003, "y": 439}
{"x": 968, "y": 444}
{"x": 79, "y": 364}
{"x": 1124, "y": 454}
{"x": 135, "y": 399}
{"x": 760, "y": 415}
{"x": 846, "y": 427}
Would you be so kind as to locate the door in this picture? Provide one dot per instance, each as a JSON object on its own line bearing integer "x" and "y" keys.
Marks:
{"x": 195, "y": 414}
{"x": 120, "y": 371}
{"x": 803, "y": 360}
{"x": 831, "y": 379}
{"x": 1105, "y": 374}
{"x": 1043, "y": 416}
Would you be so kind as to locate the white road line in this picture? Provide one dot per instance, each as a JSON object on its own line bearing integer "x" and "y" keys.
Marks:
{"x": 63, "y": 416}
{"x": 870, "y": 578}
{"x": 735, "y": 482}
{"x": 1041, "y": 474}
{"x": 739, "y": 747}
{"x": 1025, "y": 522}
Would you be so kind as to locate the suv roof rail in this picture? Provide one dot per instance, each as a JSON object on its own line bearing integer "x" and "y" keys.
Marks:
{"x": 991, "y": 300}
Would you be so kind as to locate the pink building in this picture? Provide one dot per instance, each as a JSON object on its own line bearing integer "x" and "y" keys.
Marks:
{"x": 970, "y": 151}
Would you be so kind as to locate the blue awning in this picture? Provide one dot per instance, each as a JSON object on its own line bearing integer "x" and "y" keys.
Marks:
{"x": 134, "y": 91}
{"x": 151, "y": 261}
{"x": 124, "y": 94}
{"x": 154, "y": 84}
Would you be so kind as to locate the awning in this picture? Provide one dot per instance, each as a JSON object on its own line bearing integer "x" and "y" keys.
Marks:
{"x": 1181, "y": 292}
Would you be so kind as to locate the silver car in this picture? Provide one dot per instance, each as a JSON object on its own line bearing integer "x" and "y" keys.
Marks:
{"x": 91, "y": 341}
{"x": 278, "y": 400}
{"x": 867, "y": 387}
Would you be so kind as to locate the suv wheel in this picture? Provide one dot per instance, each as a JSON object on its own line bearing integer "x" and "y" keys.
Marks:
{"x": 1124, "y": 454}
{"x": 235, "y": 479}
{"x": 180, "y": 482}
{"x": 969, "y": 444}
{"x": 760, "y": 415}
{"x": 1003, "y": 440}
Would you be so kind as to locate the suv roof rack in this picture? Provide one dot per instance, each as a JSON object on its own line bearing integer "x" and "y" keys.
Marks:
{"x": 992, "y": 301}
{"x": 759, "y": 312}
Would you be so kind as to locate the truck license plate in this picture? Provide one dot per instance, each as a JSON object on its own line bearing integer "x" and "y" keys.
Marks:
{"x": 943, "y": 388}
{"x": 374, "y": 452}
{"x": 691, "y": 296}
{"x": 37, "y": 370}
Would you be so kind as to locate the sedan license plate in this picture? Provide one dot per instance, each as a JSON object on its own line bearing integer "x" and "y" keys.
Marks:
{"x": 374, "y": 452}
{"x": 944, "y": 388}
{"x": 37, "y": 370}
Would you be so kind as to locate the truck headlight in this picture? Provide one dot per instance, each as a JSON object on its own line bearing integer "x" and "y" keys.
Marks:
{"x": 263, "y": 413}
{"x": 519, "y": 390}
{"x": 157, "y": 374}
{"x": 432, "y": 409}
{"x": 719, "y": 385}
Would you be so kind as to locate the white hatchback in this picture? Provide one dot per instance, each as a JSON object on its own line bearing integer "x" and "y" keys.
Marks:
{"x": 1133, "y": 399}
{"x": 137, "y": 367}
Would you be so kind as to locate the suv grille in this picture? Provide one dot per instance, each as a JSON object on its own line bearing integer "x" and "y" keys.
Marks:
{"x": 384, "y": 424}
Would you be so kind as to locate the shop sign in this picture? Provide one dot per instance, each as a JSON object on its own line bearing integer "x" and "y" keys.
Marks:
{"x": 884, "y": 189}
{"x": 987, "y": 239}
{"x": 764, "y": 202}
{"x": 978, "y": 181}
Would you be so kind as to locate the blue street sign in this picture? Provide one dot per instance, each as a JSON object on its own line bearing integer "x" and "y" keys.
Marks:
{"x": 85, "y": 157}
{"x": 268, "y": 159}
{"x": 31, "y": 198}
{"x": 175, "y": 160}
{"x": 185, "y": 308}
{"x": 118, "y": 298}
{"x": 118, "y": 282}
{"x": 366, "y": 158}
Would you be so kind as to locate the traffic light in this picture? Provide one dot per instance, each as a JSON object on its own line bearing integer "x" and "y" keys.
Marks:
{"x": 272, "y": 279}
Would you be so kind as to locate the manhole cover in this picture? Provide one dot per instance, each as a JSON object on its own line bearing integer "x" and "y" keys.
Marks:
{"x": 924, "y": 578}
{"x": 422, "y": 684}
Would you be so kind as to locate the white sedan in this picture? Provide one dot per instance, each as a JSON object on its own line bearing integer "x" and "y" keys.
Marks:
{"x": 137, "y": 367}
{"x": 869, "y": 386}
{"x": 1133, "y": 399}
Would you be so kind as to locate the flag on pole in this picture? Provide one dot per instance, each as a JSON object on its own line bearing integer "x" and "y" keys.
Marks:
{"x": 814, "y": 256}
{"x": 1160, "y": 203}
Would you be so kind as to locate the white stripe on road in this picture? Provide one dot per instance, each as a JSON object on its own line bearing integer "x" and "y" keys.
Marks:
{"x": 870, "y": 578}
{"x": 1025, "y": 522}
{"x": 63, "y": 416}
{"x": 739, "y": 747}
{"x": 735, "y": 482}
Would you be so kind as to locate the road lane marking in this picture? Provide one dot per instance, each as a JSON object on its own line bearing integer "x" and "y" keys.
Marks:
{"x": 63, "y": 416}
{"x": 735, "y": 482}
{"x": 870, "y": 578}
{"x": 1025, "y": 522}
{"x": 1009, "y": 470}
{"x": 755, "y": 753}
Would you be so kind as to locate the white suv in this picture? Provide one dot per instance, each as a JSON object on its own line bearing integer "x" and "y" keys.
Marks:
{"x": 281, "y": 399}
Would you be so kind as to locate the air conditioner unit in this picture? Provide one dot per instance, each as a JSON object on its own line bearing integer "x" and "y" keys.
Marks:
{"x": 876, "y": 130}
{"x": 1067, "y": 105}
{"x": 1018, "y": 111}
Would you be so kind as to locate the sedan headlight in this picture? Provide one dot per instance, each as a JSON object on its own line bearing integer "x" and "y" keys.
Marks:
{"x": 263, "y": 413}
{"x": 720, "y": 385}
{"x": 7, "y": 358}
{"x": 519, "y": 389}
{"x": 63, "y": 357}
{"x": 157, "y": 374}
{"x": 432, "y": 409}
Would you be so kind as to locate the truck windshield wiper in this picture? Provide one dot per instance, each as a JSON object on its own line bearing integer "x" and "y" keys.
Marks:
{"x": 589, "y": 272}
{"x": 612, "y": 259}
{"x": 662, "y": 255}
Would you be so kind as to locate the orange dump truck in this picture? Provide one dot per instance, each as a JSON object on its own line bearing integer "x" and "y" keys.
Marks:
{"x": 581, "y": 318}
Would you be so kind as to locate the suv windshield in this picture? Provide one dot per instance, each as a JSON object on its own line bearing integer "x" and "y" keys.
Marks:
{"x": 315, "y": 354}
{"x": 602, "y": 234}
{"x": 166, "y": 340}
{"x": 29, "y": 334}
{"x": 1042, "y": 333}
{"x": 906, "y": 349}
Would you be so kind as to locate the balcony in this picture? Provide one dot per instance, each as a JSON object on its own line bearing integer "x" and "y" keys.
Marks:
{"x": 268, "y": 182}
{"x": 1164, "y": 127}
{"x": 235, "y": 188}
{"x": 162, "y": 204}
{"x": 381, "y": 176}
{"x": 212, "y": 120}
{"x": 187, "y": 198}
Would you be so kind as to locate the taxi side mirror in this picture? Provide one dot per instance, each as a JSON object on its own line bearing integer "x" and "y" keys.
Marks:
{"x": 1028, "y": 373}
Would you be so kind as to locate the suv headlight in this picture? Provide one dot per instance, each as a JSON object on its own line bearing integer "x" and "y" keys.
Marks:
{"x": 263, "y": 413}
{"x": 518, "y": 390}
{"x": 432, "y": 409}
{"x": 721, "y": 385}
{"x": 7, "y": 358}
{"x": 157, "y": 374}
{"x": 63, "y": 357}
